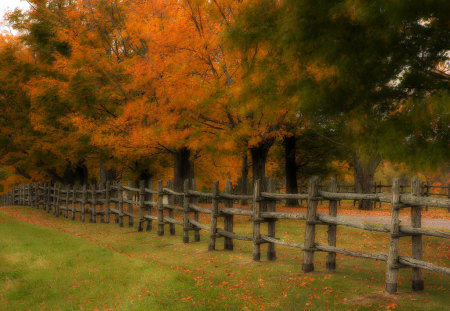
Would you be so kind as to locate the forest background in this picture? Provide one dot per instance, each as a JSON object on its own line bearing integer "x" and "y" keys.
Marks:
{"x": 96, "y": 90}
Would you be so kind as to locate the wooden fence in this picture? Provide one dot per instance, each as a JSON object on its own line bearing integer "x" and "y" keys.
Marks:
{"x": 159, "y": 205}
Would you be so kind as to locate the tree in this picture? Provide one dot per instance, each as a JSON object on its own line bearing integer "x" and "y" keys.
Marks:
{"x": 368, "y": 64}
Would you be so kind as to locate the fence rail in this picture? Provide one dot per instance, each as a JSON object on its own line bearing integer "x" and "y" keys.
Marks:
{"x": 160, "y": 204}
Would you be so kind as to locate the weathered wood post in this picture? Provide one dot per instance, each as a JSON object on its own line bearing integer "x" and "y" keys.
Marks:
{"x": 93, "y": 203}
{"x": 74, "y": 201}
{"x": 107, "y": 201}
{"x": 141, "y": 204}
{"x": 194, "y": 200}
{"x": 120, "y": 195}
{"x": 171, "y": 201}
{"x": 130, "y": 205}
{"x": 160, "y": 209}
{"x": 186, "y": 199}
{"x": 428, "y": 193}
{"x": 214, "y": 215}
{"x": 256, "y": 209}
{"x": 29, "y": 195}
{"x": 271, "y": 207}
{"x": 101, "y": 202}
{"x": 228, "y": 218}
{"x": 56, "y": 200}
{"x": 49, "y": 197}
{"x": 83, "y": 203}
{"x": 149, "y": 197}
{"x": 392, "y": 260}
{"x": 66, "y": 212}
{"x": 416, "y": 222}
{"x": 448, "y": 195}
{"x": 310, "y": 228}
{"x": 36, "y": 194}
{"x": 332, "y": 210}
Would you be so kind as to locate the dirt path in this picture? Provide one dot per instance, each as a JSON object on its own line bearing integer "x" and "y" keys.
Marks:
{"x": 426, "y": 222}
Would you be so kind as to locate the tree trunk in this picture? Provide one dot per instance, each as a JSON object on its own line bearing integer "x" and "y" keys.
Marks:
{"x": 364, "y": 170}
{"x": 183, "y": 168}
{"x": 290, "y": 168}
{"x": 106, "y": 175}
{"x": 259, "y": 155}
{"x": 244, "y": 178}
{"x": 81, "y": 173}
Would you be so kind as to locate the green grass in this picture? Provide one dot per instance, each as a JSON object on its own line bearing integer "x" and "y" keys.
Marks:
{"x": 49, "y": 263}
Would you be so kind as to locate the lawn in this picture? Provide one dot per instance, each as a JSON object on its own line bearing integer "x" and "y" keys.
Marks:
{"x": 49, "y": 263}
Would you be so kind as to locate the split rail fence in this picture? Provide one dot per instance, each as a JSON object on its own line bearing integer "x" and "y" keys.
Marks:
{"x": 158, "y": 205}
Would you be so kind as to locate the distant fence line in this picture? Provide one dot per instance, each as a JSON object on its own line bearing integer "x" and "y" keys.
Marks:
{"x": 119, "y": 200}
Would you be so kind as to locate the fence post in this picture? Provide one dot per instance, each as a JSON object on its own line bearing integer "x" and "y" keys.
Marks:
{"x": 310, "y": 228}
{"x": 171, "y": 201}
{"x": 194, "y": 201}
{"x": 271, "y": 207}
{"x": 186, "y": 200}
{"x": 130, "y": 205}
{"x": 107, "y": 201}
{"x": 448, "y": 195}
{"x": 120, "y": 193}
{"x": 101, "y": 204}
{"x": 141, "y": 204}
{"x": 49, "y": 196}
{"x": 160, "y": 209}
{"x": 66, "y": 212}
{"x": 392, "y": 260}
{"x": 58, "y": 200}
{"x": 214, "y": 214}
{"x": 29, "y": 195}
{"x": 332, "y": 210}
{"x": 55, "y": 199}
{"x": 93, "y": 204}
{"x": 228, "y": 219}
{"x": 83, "y": 203}
{"x": 416, "y": 222}
{"x": 149, "y": 197}
{"x": 256, "y": 207}
{"x": 74, "y": 201}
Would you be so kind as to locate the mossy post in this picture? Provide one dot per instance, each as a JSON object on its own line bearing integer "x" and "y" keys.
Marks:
{"x": 228, "y": 219}
{"x": 256, "y": 217}
{"x": 271, "y": 207}
{"x": 160, "y": 208}
{"x": 310, "y": 228}
{"x": 332, "y": 211}
{"x": 141, "y": 204}
{"x": 214, "y": 215}
{"x": 392, "y": 260}
{"x": 416, "y": 222}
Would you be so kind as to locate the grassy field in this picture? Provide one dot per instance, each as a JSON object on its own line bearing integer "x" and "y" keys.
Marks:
{"x": 49, "y": 263}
